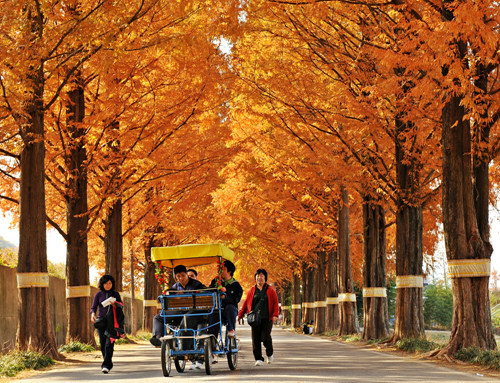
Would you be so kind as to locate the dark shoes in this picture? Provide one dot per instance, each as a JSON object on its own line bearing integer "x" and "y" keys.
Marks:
{"x": 155, "y": 342}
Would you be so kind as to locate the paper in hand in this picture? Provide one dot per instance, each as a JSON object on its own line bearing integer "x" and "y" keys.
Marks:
{"x": 108, "y": 301}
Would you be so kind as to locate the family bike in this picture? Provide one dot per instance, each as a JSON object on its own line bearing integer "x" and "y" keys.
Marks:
{"x": 192, "y": 340}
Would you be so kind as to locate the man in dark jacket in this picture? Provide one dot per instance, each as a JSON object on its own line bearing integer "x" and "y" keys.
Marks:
{"x": 231, "y": 292}
{"x": 183, "y": 283}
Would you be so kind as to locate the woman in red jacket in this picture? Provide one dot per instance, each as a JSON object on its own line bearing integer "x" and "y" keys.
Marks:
{"x": 269, "y": 311}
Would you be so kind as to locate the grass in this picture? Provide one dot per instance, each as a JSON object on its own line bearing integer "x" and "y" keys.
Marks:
{"x": 418, "y": 345}
{"x": 331, "y": 333}
{"x": 376, "y": 341}
{"x": 487, "y": 358}
{"x": 123, "y": 341}
{"x": 438, "y": 336}
{"x": 16, "y": 361}
{"x": 75, "y": 346}
{"x": 351, "y": 338}
{"x": 141, "y": 335}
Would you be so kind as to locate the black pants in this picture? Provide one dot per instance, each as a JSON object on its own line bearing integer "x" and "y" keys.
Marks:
{"x": 159, "y": 327}
{"x": 192, "y": 322}
{"x": 262, "y": 334}
{"x": 228, "y": 317}
{"x": 107, "y": 349}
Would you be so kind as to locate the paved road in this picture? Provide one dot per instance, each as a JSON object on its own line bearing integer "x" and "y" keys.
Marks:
{"x": 298, "y": 358}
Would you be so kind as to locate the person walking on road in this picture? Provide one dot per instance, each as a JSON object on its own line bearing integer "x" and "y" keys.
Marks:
{"x": 107, "y": 291}
{"x": 269, "y": 312}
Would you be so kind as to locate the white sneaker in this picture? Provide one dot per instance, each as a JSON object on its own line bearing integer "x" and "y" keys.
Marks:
{"x": 270, "y": 359}
{"x": 259, "y": 363}
{"x": 196, "y": 365}
{"x": 105, "y": 370}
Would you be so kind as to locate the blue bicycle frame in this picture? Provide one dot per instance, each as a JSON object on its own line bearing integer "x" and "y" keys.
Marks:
{"x": 222, "y": 343}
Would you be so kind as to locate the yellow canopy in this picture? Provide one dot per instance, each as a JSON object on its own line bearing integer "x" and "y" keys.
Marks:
{"x": 190, "y": 255}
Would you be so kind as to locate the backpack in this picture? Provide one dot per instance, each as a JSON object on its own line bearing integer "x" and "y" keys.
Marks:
{"x": 115, "y": 319}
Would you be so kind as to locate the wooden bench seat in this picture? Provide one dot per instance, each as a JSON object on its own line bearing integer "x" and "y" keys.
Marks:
{"x": 187, "y": 303}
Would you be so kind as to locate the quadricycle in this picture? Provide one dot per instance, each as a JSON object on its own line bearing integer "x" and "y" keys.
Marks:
{"x": 186, "y": 313}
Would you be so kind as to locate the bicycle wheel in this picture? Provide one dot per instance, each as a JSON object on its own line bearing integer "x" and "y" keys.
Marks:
{"x": 180, "y": 363}
{"x": 166, "y": 362}
{"x": 232, "y": 356}
{"x": 208, "y": 356}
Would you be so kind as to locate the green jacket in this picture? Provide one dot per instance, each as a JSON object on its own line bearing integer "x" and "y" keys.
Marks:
{"x": 233, "y": 293}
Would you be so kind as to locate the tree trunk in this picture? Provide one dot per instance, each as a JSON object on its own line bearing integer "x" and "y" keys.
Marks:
{"x": 347, "y": 303}
{"x": 308, "y": 295}
{"x": 133, "y": 328}
{"x": 77, "y": 261}
{"x": 151, "y": 289}
{"x": 296, "y": 319}
{"x": 320, "y": 301}
{"x": 409, "y": 321}
{"x": 113, "y": 243}
{"x": 332, "y": 306}
{"x": 471, "y": 325}
{"x": 375, "y": 314}
{"x": 35, "y": 328}
{"x": 481, "y": 161}
{"x": 281, "y": 300}
{"x": 285, "y": 309}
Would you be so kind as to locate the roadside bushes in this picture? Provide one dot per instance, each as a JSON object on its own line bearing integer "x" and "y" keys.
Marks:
{"x": 15, "y": 361}
{"x": 487, "y": 358}
{"x": 76, "y": 346}
{"x": 419, "y": 345}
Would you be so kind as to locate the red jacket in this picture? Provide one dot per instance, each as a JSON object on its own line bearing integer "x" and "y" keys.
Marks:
{"x": 272, "y": 298}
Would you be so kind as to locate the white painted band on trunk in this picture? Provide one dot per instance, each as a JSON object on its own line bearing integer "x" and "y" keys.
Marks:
{"x": 295, "y": 306}
{"x": 78, "y": 291}
{"x": 35, "y": 279}
{"x": 308, "y": 305}
{"x": 347, "y": 297}
{"x": 409, "y": 281}
{"x": 374, "y": 292}
{"x": 150, "y": 303}
{"x": 332, "y": 300}
{"x": 285, "y": 307}
{"x": 320, "y": 304}
{"x": 469, "y": 268}
{"x": 125, "y": 294}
